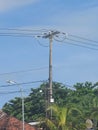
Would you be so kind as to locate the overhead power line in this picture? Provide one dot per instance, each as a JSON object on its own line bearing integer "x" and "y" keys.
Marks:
{"x": 76, "y": 42}
{"x": 13, "y": 92}
{"x": 23, "y": 71}
{"x": 42, "y": 33}
{"x": 22, "y": 32}
{"x": 83, "y": 38}
{"x": 79, "y": 45}
{"x": 27, "y": 90}
{"x": 24, "y": 83}
{"x": 83, "y": 42}
{"x": 24, "y": 29}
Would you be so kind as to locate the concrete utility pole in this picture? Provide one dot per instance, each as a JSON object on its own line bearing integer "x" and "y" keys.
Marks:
{"x": 50, "y": 69}
{"x": 50, "y": 36}
{"x": 22, "y": 98}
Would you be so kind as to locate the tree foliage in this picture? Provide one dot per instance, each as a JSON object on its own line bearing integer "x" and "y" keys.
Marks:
{"x": 84, "y": 98}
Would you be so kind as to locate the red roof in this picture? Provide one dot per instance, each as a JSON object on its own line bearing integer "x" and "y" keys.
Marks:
{"x": 11, "y": 123}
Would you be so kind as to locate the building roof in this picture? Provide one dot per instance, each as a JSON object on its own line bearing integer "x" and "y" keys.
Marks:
{"x": 11, "y": 123}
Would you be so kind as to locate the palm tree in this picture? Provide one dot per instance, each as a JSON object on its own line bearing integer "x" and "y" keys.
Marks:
{"x": 94, "y": 112}
{"x": 60, "y": 118}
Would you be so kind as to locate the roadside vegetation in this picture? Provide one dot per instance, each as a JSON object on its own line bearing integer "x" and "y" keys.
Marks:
{"x": 72, "y": 106}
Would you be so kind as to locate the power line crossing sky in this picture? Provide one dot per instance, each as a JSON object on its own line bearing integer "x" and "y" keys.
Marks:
{"x": 25, "y": 54}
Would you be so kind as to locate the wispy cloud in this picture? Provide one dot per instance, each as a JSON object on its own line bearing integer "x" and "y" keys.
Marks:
{"x": 78, "y": 22}
{"x": 10, "y": 4}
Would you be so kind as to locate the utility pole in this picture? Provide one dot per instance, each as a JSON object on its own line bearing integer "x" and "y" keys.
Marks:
{"x": 22, "y": 98}
{"x": 50, "y": 69}
{"x": 50, "y": 35}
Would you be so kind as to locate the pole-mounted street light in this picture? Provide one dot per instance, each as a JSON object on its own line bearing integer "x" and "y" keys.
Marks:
{"x": 22, "y": 98}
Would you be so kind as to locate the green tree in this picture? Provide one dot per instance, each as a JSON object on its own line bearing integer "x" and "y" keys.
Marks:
{"x": 61, "y": 118}
{"x": 83, "y": 97}
{"x": 36, "y": 102}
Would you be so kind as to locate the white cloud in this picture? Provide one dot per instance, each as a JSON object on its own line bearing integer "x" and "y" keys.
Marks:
{"x": 10, "y": 4}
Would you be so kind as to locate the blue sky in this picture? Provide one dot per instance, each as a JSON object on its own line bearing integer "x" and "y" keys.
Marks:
{"x": 71, "y": 64}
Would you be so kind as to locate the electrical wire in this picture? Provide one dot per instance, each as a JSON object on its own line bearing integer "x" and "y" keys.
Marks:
{"x": 78, "y": 45}
{"x": 74, "y": 42}
{"x": 66, "y": 85}
{"x": 13, "y": 92}
{"x": 24, "y": 29}
{"x": 23, "y": 83}
{"x": 83, "y": 38}
{"x": 59, "y": 39}
{"x": 82, "y": 42}
{"x": 27, "y": 33}
{"x": 40, "y": 42}
{"x": 80, "y": 39}
{"x": 45, "y": 32}
{"x": 26, "y": 90}
{"x": 21, "y": 34}
{"x": 23, "y": 71}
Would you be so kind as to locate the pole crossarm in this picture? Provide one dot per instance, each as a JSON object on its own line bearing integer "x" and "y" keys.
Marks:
{"x": 51, "y": 33}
